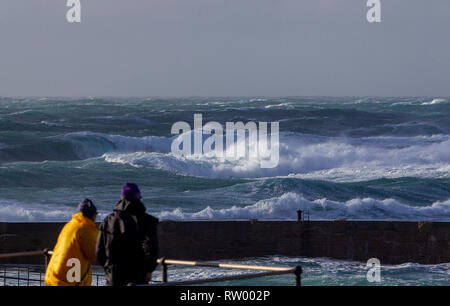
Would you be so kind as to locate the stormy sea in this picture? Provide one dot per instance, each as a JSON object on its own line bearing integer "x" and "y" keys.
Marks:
{"x": 354, "y": 158}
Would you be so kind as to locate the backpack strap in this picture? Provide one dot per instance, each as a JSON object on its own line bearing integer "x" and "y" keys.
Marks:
{"x": 84, "y": 276}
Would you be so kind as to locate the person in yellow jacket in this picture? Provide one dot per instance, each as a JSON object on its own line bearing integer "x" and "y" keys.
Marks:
{"x": 70, "y": 264}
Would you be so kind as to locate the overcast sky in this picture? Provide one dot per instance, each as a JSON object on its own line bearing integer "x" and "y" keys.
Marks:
{"x": 224, "y": 48}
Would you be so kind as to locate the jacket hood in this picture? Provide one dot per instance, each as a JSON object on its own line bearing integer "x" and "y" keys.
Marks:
{"x": 83, "y": 220}
{"x": 134, "y": 207}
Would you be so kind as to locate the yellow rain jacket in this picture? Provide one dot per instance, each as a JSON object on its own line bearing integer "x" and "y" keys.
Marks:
{"x": 78, "y": 240}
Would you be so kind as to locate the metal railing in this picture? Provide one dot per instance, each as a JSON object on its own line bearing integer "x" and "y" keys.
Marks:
{"x": 16, "y": 274}
{"x": 30, "y": 274}
{"x": 9, "y": 272}
{"x": 265, "y": 270}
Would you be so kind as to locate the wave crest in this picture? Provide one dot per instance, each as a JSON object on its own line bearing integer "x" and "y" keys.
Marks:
{"x": 315, "y": 157}
{"x": 434, "y": 101}
{"x": 285, "y": 208}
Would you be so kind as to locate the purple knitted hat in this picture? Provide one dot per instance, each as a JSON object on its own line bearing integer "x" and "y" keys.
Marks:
{"x": 129, "y": 190}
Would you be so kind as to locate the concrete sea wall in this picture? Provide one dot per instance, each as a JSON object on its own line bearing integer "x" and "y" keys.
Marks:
{"x": 390, "y": 241}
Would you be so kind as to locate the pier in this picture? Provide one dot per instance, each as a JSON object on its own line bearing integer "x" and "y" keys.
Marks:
{"x": 392, "y": 242}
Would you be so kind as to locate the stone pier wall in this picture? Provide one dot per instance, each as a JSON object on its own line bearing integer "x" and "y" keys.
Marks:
{"x": 390, "y": 241}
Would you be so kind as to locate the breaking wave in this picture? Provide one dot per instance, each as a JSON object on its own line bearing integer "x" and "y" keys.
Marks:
{"x": 14, "y": 211}
{"x": 314, "y": 157}
{"x": 285, "y": 208}
{"x": 89, "y": 144}
{"x": 82, "y": 145}
{"x": 277, "y": 208}
{"x": 434, "y": 101}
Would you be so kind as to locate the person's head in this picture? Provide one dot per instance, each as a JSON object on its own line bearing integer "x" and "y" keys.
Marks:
{"x": 130, "y": 191}
{"x": 88, "y": 209}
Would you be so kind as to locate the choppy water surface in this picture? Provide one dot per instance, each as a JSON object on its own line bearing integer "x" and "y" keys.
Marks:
{"x": 353, "y": 158}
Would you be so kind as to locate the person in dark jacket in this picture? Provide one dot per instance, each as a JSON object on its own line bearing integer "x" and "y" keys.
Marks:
{"x": 127, "y": 247}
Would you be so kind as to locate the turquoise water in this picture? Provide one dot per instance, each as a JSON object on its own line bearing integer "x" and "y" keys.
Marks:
{"x": 316, "y": 272}
{"x": 349, "y": 157}
{"x": 320, "y": 272}
{"x": 353, "y": 158}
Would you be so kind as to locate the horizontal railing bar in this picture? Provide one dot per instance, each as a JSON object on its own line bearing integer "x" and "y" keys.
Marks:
{"x": 170, "y": 262}
{"x": 19, "y": 266}
{"x": 20, "y": 254}
{"x": 221, "y": 279}
{"x": 20, "y": 278}
{"x": 269, "y": 271}
{"x": 224, "y": 265}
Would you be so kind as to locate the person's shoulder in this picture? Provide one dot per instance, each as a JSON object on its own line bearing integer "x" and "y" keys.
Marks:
{"x": 87, "y": 230}
{"x": 151, "y": 219}
{"x": 109, "y": 219}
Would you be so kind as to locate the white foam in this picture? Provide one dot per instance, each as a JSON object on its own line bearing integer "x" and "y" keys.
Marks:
{"x": 276, "y": 208}
{"x": 369, "y": 172}
{"x": 322, "y": 271}
{"x": 285, "y": 208}
{"x": 20, "y": 112}
{"x": 281, "y": 105}
{"x": 338, "y": 158}
{"x": 440, "y": 268}
{"x": 14, "y": 211}
{"x": 49, "y": 123}
{"x": 434, "y": 101}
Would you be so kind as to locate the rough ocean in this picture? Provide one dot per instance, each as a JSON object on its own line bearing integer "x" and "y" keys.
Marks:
{"x": 340, "y": 158}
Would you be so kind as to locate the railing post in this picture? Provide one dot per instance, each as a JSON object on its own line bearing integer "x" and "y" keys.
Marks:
{"x": 298, "y": 275}
{"x": 299, "y": 215}
{"x": 46, "y": 257}
{"x": 164, "y": 270}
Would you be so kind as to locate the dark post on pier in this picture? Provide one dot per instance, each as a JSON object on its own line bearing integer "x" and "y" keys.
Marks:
{"x": 299, "y": 215}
